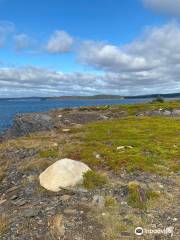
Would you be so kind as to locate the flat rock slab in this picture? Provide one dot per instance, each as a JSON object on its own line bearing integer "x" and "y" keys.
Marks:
{"x": 19, "y": 202}
{"x": 62, "y": 174}
{"x": 30, "y": 213}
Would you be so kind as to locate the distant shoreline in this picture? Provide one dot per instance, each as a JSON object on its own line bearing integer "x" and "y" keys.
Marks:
{"x": 96, "y": 97}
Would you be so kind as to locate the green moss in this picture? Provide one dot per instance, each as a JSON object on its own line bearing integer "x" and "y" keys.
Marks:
{"x": 40, "y": 190}
{"x": 35, "y": 164}
{"x": 134, "y": 108}
{"x": 154, "y": 142}
{"x": 110, "y": 201}
{"x": 95, "y": 108}
{"x": 51, "y": 153}
{"x": 105, "y": 107}
{"x": 92, "y": 180}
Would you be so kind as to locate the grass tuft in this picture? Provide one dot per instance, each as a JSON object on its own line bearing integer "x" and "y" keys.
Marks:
{"x": 4, "y": 225}
{"x": 92, "y": 180}
{"x": 139, "y": 197}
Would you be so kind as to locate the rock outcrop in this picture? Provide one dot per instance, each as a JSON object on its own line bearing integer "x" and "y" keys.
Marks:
{"x": 27, "y": 123}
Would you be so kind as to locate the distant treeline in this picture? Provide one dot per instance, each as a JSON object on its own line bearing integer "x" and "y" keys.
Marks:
{"x": 168, "y": 95}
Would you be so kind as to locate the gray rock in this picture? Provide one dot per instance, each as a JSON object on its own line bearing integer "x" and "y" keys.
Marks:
{"x": 98, "y": 201}
{"x": 19, "y": 202}
{"x": 70, "y": 211}
{"x": 28, "y": 123}
{"x": 104, "y": 117}
{"x": 125, "y": 234}
{"x": 12, "y": 189}
{"x": 80, "y": 118}
{"x": 65, "y": 198}
{"x": 167, "y": 113}
{"x": 29, "y": 191}
{"x": 13, "y": 197}
{"x": 30, "y": 213}
{"x": 156, "y": 113}
{"x": 176, "y": 112}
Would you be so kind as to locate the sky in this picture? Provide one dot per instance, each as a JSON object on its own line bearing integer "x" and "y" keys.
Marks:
{"x": 89, "y": 47}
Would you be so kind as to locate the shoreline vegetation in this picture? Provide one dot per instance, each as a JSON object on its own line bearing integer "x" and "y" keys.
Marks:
{"x": 133, "y": 152}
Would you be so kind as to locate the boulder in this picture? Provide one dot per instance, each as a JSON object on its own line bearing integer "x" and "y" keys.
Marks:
{"x": 64, "y": 173}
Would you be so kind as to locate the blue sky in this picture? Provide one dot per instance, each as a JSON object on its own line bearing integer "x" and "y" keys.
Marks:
{"x": 46, "y": 45}
{"x": 117, "y": 22}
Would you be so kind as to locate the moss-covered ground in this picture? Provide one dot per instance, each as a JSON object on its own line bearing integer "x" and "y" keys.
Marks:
{"x": 133, "y": 143}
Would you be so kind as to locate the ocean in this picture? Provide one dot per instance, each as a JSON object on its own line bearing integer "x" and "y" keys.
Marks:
{"x": 9, "y": 108}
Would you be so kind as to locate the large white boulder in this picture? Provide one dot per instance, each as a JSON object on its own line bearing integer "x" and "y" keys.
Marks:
{"x": 64, "y": 173}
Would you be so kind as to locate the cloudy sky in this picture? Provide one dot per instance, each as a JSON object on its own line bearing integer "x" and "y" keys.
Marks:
{"x": 88, "y": 47}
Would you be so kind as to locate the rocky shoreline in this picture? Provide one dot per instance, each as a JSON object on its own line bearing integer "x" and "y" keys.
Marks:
{"x": 25, "y": 124}
{"x": 117, "y": 200}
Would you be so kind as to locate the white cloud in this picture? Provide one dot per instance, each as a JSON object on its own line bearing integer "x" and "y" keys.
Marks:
{"x": 171, "y": 7}
{"x": 112, "y": 58}
{"x": 23, "y": 41}
{"x": 156, "y": 53}
{"x": 151, "y": 64}
{"x": 59, "y": 42}
{"x": 158, "y": 44}
{"x": 6, "y": 28}
{"x": 33, "y": 81}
